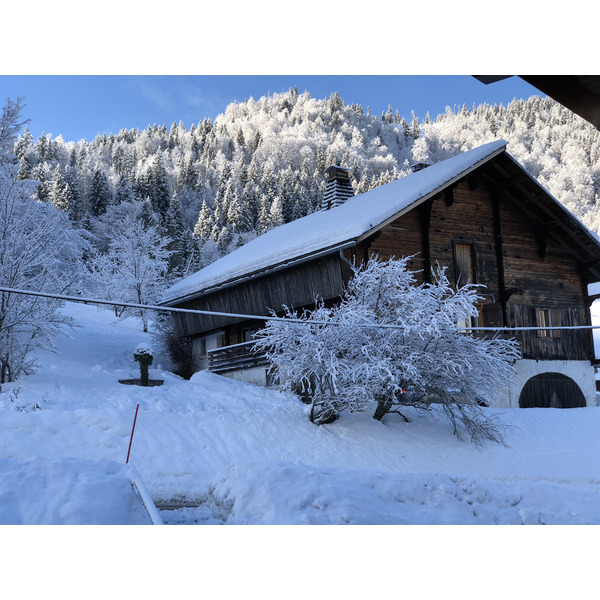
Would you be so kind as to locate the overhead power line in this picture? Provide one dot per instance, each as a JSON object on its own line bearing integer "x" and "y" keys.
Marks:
{"x": 264, "y": 317}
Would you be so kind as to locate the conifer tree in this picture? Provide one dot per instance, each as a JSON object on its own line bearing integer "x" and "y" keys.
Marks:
{"x": 224, "y": 238}
{"x": 276, "y": 213}
{"x": 235, "y": 217}
{"x": 241, "y": 141}
{"x": 142, "y": 186}
{"x": 159, "y": 188}
{"x": 57, "y": 193}
{"x": 251, "y": 206}
{"x": 300, "y": 204}
{"x": 176, "y": 236}
{"x": 41, "y": 173}
{"x": 124, "y": 191}
{"x": 42, "y": 148}
{"x": 204, "y": 224}
{"x": 264, "y": 217}
{"x": 73, "y": 195}
{"x": 242, "y": 172}
{"x": 24, "y": 150}
{"x": 99, "y": 197}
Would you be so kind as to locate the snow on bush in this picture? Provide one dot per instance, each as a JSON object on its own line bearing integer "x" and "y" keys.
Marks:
{"x": 144, "y": 354}
{"x": 145, "y": 357}
{"x": 391, "y": 343}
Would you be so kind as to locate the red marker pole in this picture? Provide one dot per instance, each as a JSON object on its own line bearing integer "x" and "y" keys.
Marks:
{"x": 132, "y": 430}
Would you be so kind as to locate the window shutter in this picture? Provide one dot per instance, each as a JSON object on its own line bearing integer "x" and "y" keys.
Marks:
{"x": 463, "y": 264}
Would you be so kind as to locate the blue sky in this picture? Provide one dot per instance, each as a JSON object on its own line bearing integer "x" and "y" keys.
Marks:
{"x": 80, "y": 106}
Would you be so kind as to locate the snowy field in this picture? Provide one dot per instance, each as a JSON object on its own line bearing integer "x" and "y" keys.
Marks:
{"x": 212, "y": 451}
{"x": 215, "y": 451}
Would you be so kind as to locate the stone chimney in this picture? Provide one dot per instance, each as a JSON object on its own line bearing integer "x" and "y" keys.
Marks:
{"x": 338, "y": 187}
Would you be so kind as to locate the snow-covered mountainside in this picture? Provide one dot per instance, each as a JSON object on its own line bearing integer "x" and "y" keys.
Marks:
{"x": 261, "y": 163}
{"x": 215, "y": 451}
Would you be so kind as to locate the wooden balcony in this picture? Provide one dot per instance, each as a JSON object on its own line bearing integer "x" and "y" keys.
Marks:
{"x": 236, "y": 357}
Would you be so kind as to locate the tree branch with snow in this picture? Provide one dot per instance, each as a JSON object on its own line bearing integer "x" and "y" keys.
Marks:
{"x": 389, "y": 344}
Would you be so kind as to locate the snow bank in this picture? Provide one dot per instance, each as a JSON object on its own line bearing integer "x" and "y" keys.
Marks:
{"x": 293, "y": 493}
{"x": 68, "y": 491}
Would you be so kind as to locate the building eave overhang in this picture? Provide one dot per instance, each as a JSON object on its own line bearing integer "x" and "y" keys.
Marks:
{"x": 568, "y": 229}
{"x": 261, "y": 273}
{"x": 431, "y": 194}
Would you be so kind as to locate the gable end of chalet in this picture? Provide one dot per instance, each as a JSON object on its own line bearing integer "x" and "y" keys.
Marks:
{"x": 480, "y": 215}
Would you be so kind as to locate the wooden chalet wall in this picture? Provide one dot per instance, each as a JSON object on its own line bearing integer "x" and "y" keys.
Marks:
{"x": 522, "y": 267}
{"x": 532, "y": 258}
{"x": 541, "y": 273}
{"x": 295, "y": 287}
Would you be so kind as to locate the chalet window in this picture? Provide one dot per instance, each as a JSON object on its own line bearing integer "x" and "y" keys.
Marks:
{"x": 464, "y": 264}
{"x": 543, "y": 318}
{"x": 477, "y": 321}
{"x": 248, "y": 334}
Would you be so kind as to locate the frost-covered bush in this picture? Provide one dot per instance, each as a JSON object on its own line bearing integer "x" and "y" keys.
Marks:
{"x": 179, "y": 350}
{"x": 392, "y": 343}
{"x": 145, "y": 357}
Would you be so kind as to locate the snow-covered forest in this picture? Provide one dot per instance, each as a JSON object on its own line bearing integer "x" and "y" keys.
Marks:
{"x": 213, "y": 186}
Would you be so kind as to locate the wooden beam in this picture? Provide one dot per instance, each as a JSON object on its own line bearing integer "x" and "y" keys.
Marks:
{"x": 535, "y": 216}
{"x": 449, "y": 196}
{"x": 559, "y": 223}
{"x": 573, "y": 91}
{"x": 425, "y": 221}
{"x": 499, "y": 251}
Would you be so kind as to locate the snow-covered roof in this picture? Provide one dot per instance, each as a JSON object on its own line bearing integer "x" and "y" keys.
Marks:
{"x": 323, "y": 232}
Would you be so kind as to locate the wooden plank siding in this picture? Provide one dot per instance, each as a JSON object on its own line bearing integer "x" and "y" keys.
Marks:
{"x": 469, "y": 220}
{"x": 521, "y": 266}
{"x": 296, "y": 287}
{"x": 561, "y": 344}
{"x": 403, "y": 237}
{"x": 542, "y": 273}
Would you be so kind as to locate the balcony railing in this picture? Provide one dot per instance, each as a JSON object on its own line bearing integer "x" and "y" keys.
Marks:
{"x": 238, "y": 356}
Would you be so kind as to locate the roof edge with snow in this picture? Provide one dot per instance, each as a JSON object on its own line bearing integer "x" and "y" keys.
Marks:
{"x": 326, "y": 232}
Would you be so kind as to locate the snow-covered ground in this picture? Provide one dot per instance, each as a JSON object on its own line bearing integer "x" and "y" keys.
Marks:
{"x": 215, "y": 451}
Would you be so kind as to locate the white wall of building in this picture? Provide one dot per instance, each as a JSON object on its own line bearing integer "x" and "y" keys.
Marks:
{"x": 580, "y": 371}
{"x": 256, "y": 375}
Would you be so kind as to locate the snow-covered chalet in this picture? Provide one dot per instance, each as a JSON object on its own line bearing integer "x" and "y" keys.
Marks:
{"x": 479, "y": 213}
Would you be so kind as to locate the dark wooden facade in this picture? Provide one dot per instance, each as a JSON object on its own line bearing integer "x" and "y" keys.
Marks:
{"x": 523, "y": 268}
{"x": 496, "y": 227}
{"x": 296, "y": 287}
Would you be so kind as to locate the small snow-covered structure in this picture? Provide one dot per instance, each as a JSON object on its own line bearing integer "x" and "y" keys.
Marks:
{"x": 479, "y": 213}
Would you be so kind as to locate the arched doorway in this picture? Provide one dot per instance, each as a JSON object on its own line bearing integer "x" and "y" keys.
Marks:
{"x": 551, "y": 390}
